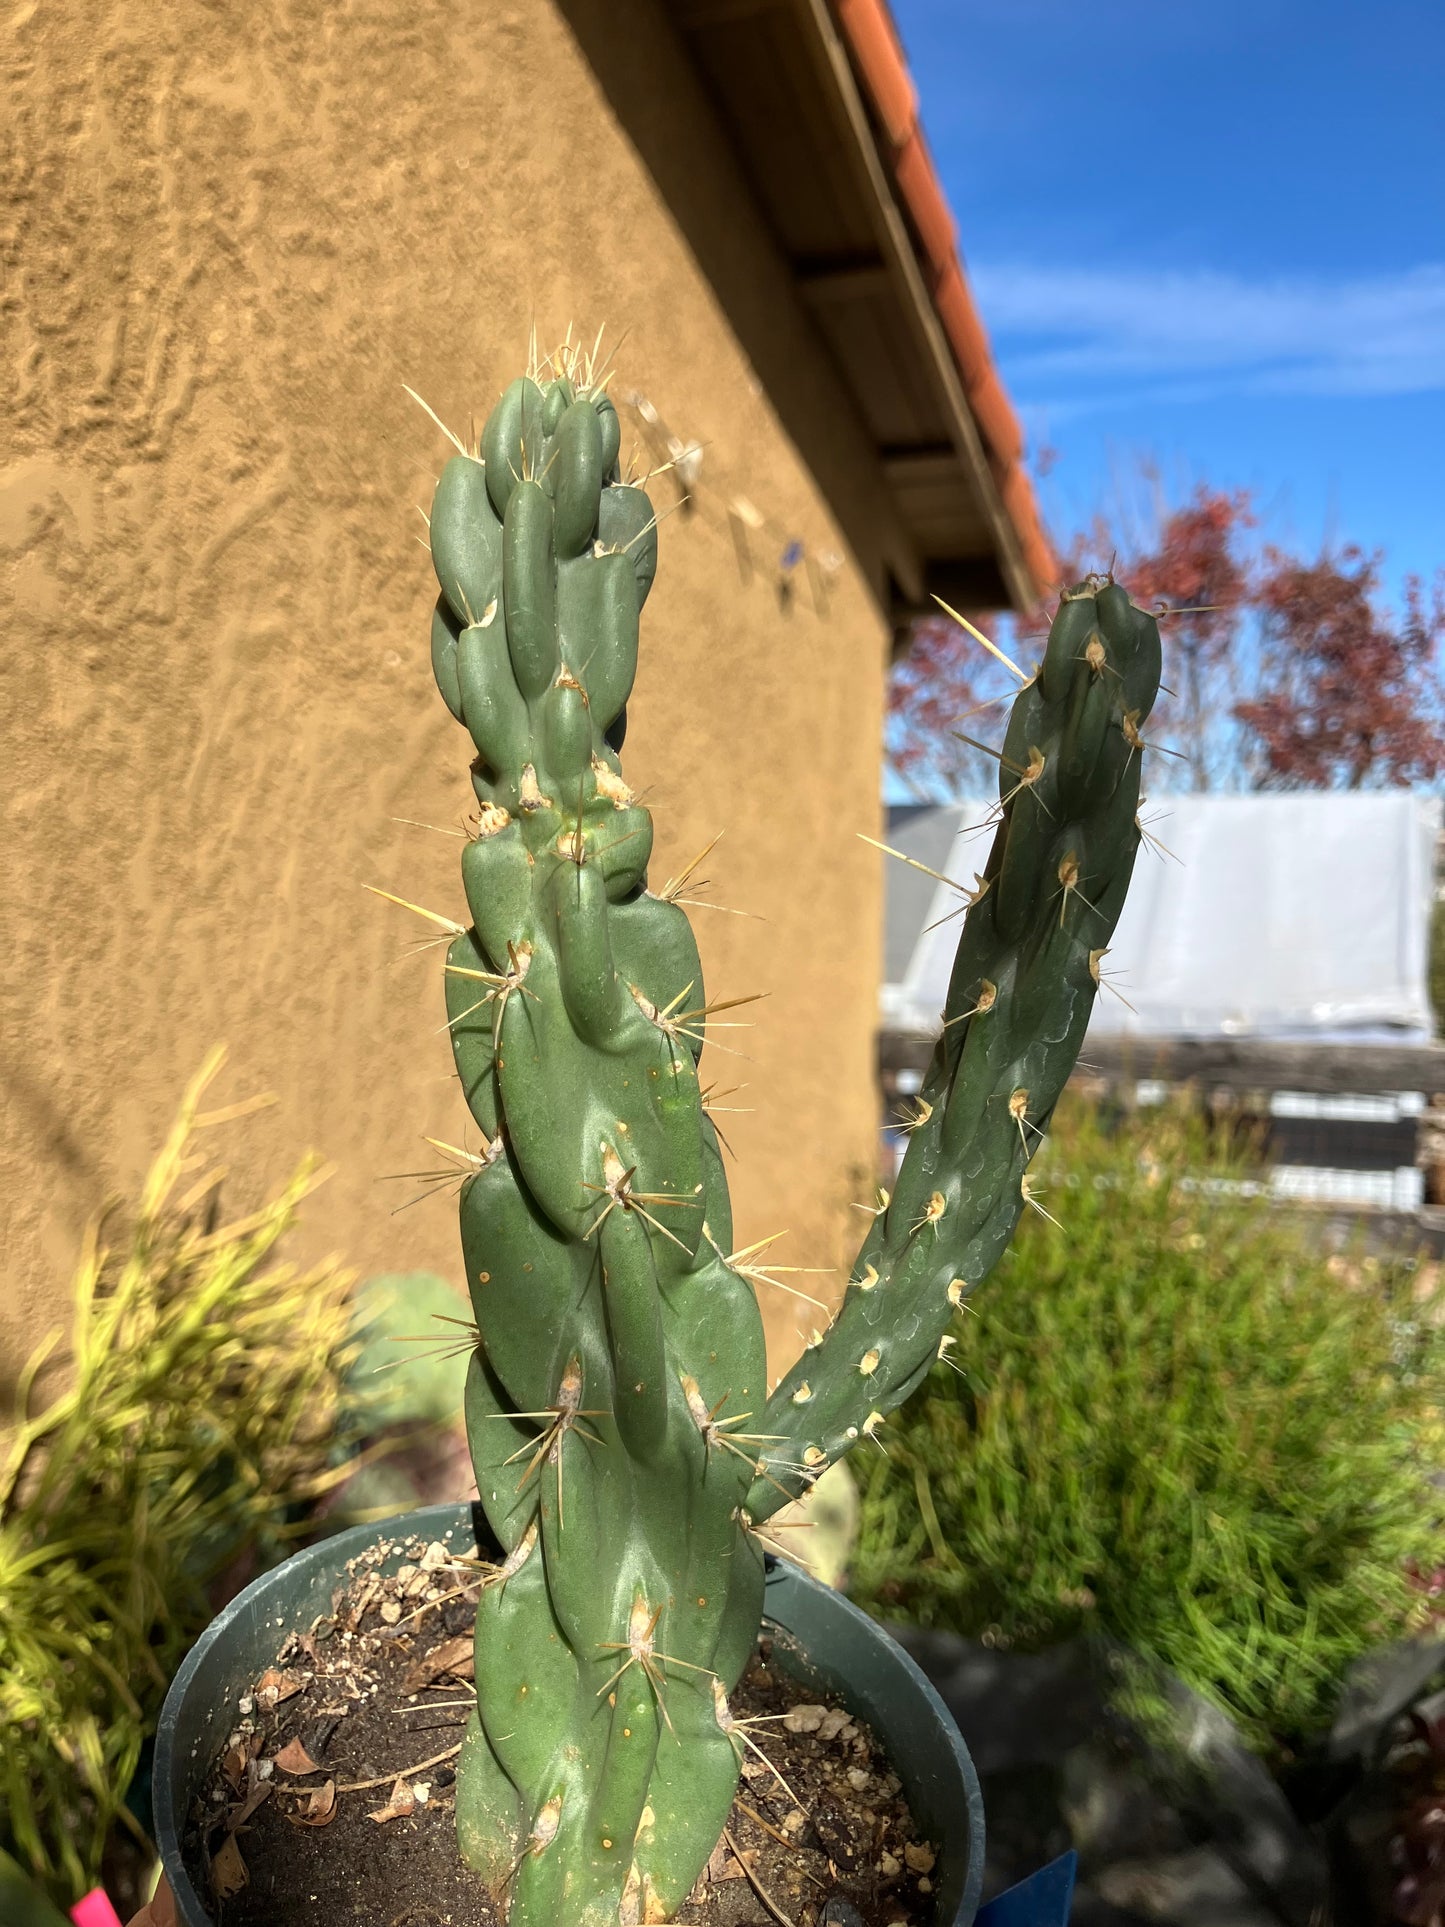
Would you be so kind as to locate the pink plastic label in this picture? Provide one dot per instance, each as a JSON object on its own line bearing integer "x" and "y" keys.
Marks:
{"x": 95, "y": 1911}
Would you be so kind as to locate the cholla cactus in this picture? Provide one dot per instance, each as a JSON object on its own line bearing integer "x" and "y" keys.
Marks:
{"x": 617, "y": 1409}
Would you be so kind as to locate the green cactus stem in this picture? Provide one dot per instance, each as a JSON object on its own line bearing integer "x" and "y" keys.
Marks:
{"x": 1036, "y": 927}
{"x": 619, "y": 1354}
{"x": 616, "y": 1401}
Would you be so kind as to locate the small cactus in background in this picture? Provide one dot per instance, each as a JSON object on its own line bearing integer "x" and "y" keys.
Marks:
{"x": 626, "y": 1450}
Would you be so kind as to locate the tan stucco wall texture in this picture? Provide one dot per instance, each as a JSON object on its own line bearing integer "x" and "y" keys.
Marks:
{"x": 230, "y": 235}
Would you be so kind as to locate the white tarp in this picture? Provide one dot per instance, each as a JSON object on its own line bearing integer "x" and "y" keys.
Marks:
{"x": 1300, "y": 916}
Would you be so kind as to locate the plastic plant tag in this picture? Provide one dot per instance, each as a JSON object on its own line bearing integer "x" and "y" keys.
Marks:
{"x": 1043, "y": 1900}
{"x": 95, "y": 1911}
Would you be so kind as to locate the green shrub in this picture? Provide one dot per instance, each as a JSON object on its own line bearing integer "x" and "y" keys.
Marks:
{"x": 205, "y": 1401}
{"x": 1176, "y": 1422}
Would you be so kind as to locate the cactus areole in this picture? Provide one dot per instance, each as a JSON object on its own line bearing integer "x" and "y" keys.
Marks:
{"x": 625, "y": 1443}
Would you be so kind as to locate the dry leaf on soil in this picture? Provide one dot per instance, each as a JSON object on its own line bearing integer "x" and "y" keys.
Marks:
{"x": 293, "y": 1758}
{"x": 320, "y": 1808}
{"x": 228, "y": 1870}
{"x": 402, "y": 1803}
{"x": 454, "y": 1656}
{"x": 259, "y": 1794}
{"x": 722, "y": 1866}
{"x": 273, "y": 1687}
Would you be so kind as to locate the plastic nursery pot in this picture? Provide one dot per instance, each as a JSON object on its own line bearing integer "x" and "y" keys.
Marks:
{"x": 819, "y": 1637}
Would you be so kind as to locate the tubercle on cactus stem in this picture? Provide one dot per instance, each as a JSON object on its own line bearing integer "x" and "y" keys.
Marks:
{"x": 544, "y": 1832}
{"x": 616, "y": 1187}
{"x": 1018, "y": 1107}
{"x": 1028, "y": 774}
{"x": 683, "y": 1025}
{"x": 987, "y": 998}
{"x": 714, "y": 1430}
{"x": 529, "y": 793}
{"x": 462, "y": 1164}
{"x": 932, "y": 1212}
{"x": 561, "y": 1418}
{"x": 611, "y": 785}
{"x": 501, "y": 986}
{"x": 640, "y": 1646}
{"x": 1069, "y": 886}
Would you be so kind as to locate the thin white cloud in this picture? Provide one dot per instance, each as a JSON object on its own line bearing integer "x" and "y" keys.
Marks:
{"x": 1066, "y": 331}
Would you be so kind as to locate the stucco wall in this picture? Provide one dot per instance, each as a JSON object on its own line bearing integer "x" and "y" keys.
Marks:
{"x": 231, "y": 234}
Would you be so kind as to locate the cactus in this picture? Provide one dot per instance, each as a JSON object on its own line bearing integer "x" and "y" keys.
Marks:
{"x": 1036, "y": 929}
{"x": 616, "y": 1403}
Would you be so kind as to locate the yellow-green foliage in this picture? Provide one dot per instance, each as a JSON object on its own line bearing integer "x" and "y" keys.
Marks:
{"x": 1177, "y": 1421}
{"x": 204, "y": 1387}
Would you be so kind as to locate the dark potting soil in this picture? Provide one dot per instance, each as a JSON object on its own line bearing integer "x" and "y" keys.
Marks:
{"x": 332, "y": 1801}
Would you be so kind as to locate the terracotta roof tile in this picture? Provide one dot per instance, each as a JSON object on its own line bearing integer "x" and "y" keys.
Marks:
{"x": 872, "y": 39}
{"x": 994, "y": 413}
{"x": 960, "y": 320}
{"x": 926, "y": 203}
{"x": 868, "y": 27}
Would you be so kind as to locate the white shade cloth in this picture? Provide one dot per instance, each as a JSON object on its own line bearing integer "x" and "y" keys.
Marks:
{"x": 1303, "y": 916}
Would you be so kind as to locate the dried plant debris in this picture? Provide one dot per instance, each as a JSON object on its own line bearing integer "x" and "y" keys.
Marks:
{"x": 349, "y": 1737}
{"x": 332, "y": 1796}
{"x": 819, "y": 1818}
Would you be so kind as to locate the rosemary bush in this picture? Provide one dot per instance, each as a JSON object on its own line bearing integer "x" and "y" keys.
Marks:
{"x": 1175, "y": 1421}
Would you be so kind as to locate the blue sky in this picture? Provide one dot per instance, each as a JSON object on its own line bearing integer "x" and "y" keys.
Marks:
{"x": 1211, "y": 235}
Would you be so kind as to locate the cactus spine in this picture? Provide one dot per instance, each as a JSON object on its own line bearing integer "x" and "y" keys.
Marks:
{"x": 615, "y": 1397}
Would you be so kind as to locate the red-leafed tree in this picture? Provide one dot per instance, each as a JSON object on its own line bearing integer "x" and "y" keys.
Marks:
{"x": 933, "y": 692}
{"x": 1281, "y": 673}
{"x": 1350, "y": 695}
{"x": 1198, "y": 578}
{"x": 1193, "y": 570}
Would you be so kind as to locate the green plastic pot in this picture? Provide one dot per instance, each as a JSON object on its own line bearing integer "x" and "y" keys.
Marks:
{"x": 821, "y": 1638}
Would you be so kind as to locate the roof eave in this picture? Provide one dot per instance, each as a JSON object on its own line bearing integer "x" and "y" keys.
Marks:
{"x": 817, "y": 100}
